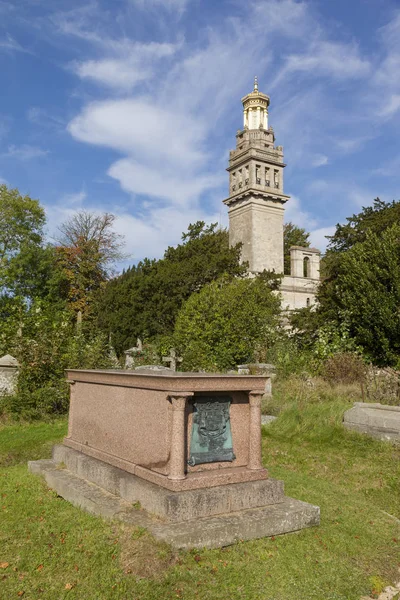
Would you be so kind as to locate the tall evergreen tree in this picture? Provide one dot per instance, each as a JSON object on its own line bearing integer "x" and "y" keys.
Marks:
{"x": 145, "y": 300}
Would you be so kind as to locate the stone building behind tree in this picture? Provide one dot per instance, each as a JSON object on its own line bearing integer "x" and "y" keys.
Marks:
{"x": 256, "y": 206}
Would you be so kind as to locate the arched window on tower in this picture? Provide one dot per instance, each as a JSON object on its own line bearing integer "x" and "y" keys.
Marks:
{"x": 258, "y": 174}
{"x": 308, "y": 303}
{"x": 306, "y": 266}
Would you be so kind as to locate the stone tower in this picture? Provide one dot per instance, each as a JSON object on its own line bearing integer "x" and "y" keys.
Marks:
{"x": 256, "y": 199}
{"x": 256, "y": 206}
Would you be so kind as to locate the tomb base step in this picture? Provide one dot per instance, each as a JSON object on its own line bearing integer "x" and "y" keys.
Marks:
{"x": 210, "y": 532}
{"x": 172, "y": 506}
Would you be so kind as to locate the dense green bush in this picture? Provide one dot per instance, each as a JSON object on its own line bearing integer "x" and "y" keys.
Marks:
{"x": 228, "y": 322}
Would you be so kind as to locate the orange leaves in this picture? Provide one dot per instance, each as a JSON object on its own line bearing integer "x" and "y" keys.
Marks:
{"x": 4, "y": 565}
{"x": 69, "y": 586}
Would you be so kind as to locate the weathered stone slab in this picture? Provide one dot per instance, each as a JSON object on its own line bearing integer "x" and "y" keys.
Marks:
{"x": 209, "y": 532}
{"x": 170, "y": 505}
{"x": 291, "y": 515}
{"x": 377, "y": 420}
{"x": 267, "y": 419}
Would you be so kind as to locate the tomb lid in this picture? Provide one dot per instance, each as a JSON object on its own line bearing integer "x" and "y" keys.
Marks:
{"x": 8, "y": 361}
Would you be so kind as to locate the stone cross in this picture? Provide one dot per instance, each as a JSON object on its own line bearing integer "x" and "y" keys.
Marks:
{"x": 173, "y": 359}
{"x": 132, "y": 352}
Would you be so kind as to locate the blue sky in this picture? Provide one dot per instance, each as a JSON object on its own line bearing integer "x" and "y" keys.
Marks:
{"x": 131, "y": 106}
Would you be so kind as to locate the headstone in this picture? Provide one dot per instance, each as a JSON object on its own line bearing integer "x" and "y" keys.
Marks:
{"x": 131, "y": 353}
{"x": 259, "y": 369}
{"x": 173, "y": 359}
{"x": 378, "y": 420}
{"x": 8, "y": 375}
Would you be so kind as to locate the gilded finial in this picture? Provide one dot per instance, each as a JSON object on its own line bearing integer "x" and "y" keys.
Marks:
{"x": 256, "y": 83}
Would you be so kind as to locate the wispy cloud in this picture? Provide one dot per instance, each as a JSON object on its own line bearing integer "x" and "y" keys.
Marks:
{"x": 74, "y": 199}
{"x": 24, "y": 152}
{"x": 319, "y": 160}
{"x": 391, "y": 106}
{"x": 44, "y": 119}
{"x": 9, "y": 44}
{"x": 126, "y": 66}
{"x": 334, "y": 59}
{"x": 174, "y": 6}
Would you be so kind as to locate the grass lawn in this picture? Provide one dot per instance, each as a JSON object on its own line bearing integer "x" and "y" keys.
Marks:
{"x": 51, "y": 550}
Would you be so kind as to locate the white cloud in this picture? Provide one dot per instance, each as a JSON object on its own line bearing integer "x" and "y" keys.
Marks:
{"x": 150, "y": 234}
{"x": 319, "y": 160}
{"x": 162, "y": 183}
{"x": 112, "y": 72}
{"x": 25, "y": 152}
{"x": 295, "y": 213}
{"x": 127, "y": 65}
{"x": 138, "y": 126}
{"x": 318, "y": 237}
{"x": 391, "y": 106}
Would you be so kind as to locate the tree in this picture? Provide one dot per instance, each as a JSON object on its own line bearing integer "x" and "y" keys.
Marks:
{"x": 376, "y": 218}
{"x": 372, "y": 219}
{"x": 145, "y": 300}
{"x": 230, "y": 321}
{"x": 21, "y": 238}
{"x": 293, "y": 236}
{"x": 366, "y": 294}
{"x": 87, "y": 251}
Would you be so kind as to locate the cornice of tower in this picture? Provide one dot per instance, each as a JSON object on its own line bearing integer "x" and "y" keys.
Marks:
{"x": 255, "y": 194}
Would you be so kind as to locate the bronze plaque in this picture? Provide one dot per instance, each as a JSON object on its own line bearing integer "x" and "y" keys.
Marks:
{"x": 211, "y": 431}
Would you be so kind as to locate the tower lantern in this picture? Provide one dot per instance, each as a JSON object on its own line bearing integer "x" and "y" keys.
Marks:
{"x": 255, "y": 109}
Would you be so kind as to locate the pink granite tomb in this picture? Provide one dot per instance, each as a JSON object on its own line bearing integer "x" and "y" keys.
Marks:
{"x": 185, "y": 447}
{"x": 142, "y": 423}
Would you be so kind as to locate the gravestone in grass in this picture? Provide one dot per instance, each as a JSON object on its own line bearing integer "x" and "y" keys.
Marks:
{"x": 8, "y": 375}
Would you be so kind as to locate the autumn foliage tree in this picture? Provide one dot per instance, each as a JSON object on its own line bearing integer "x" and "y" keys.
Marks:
{"x": 87, "y": 251}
